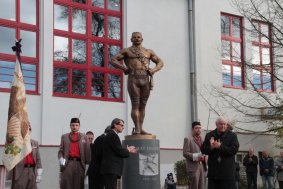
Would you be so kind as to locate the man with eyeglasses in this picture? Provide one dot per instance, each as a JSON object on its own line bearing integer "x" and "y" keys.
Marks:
{"x": 113, "y": 154}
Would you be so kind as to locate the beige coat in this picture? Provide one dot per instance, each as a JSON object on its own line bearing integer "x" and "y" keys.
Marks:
{"x": 36, "y": 157}
{"x": 83, "y": 146}
{"x": 195, "y": 169}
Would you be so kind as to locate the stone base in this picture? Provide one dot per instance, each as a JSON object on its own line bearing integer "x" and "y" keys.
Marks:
{"x": 142, "y": 170}
{"x": 140, "y": 137}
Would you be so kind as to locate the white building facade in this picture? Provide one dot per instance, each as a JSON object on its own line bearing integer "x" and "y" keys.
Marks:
{"x": 67, "y": 45}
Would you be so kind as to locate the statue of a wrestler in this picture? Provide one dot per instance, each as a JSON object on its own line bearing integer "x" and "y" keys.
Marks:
{"x": 140, "y": 81}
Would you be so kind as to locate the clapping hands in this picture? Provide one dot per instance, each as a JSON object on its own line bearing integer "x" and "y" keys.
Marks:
{"x": 214, "y": 144}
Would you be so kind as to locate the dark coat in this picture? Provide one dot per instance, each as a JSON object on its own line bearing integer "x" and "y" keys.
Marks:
{"x": 113, "y": 154}
{"x": 251, "y": 166}
{"x": 221, "y": 162}
{"x": 96, "y": 155}
{"x": 266, "y": 163}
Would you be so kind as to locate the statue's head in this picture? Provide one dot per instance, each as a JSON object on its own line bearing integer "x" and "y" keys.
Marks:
{"x": 136, "y": 38}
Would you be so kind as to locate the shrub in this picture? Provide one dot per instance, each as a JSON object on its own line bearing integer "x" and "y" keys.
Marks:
{"x": 181, "y": 172}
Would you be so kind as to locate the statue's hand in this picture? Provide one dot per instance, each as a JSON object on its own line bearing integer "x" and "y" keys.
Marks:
{"x": 150, "y": 71}
{"x": 126, "y": 71}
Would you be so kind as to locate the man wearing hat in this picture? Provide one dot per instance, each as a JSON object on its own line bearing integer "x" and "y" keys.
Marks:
{"x": 195, "y": 160}
{"x": 95, "y": 178}
{"x": 74, "y": 154}
{"x": 29, "y": 171}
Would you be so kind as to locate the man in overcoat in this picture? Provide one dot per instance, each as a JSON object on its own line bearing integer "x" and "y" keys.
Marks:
{"x": 94, "y": 175}
{"x": 221, "y": 145}
{"x": 195, "y": 160}
{"x": 74, "y": 154}
{"x": 113, "y": 155}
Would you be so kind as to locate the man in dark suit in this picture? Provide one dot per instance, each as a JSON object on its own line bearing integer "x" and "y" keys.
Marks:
{"x": 95, "y": 179}
{"x": 74, "y": 154}
{"x": 113, "y": 154}
{"x": 221, "y": 145}
{"x": 28, "y": 172}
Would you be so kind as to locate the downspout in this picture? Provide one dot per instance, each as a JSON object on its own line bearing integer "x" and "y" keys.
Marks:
{"x": 192, "y": 61}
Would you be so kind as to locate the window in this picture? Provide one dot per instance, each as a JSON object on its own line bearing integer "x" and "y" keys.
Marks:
{"x": 19, "y": 19}
{"x": 262, "y": 73}
{"x": 87, "y": 34}
{"x": 232, "y": 51}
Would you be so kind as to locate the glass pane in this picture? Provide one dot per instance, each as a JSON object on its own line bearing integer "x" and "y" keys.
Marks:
{"x": 79, "y": 52}
{"x": 235, "y": 27}
{"x": 265, "y": 56}
{"x": 28, "y": 11}
{"x": 266, "y": 81}
{"x": 80, "y": 1}
{"x": 265, "y": 33}
{"x": 236, "y": 52}
{"x": 225, "y": 50}
{"x": 7, "y": 75}
{"x": 225, "y": 25}
{"x": 255, "y": 32}
{"x": 7, "y": 39}
{"x": 61, "y": 46}
{"x": 255, "y": 55}
{"x": 97, "y": 25}
{"x": 237, "y": 76}
{"x": 113, "y": 27}
{"x": 28, "y": 43}
{"x": 8, "y": 9}
{"x": 29, "y": 72}
{"x": 97, "y": 85}
{"x": 79, "y": 21}
{"x": 61, "y": 17}
{"x": 114, "y": 86}
{"x": 79, "y": 82}
{"x": 112, "y": 51}
{"x": 114, "y": 5}
{"x": 226, "y": 73}
{"x": 60, "y": 83}
{"x": 256, "y": 79}
{"x": 98, "y": 54}
{"x": 98, "y": 3}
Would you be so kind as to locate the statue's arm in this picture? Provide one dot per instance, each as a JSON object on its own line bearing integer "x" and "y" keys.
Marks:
{"x": 159, "y": 63}
{"x": 115, "y": 61}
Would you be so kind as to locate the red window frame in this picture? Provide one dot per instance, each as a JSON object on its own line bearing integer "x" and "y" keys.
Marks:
{"x": 230, "y": 38}
{"x": 89, "y": 39}
{"x": 19, "y": 26}
{"x": 260, "y": 44}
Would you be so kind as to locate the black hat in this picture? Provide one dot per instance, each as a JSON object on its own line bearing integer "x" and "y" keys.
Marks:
{"x": 195, "y": 123}
{"x": 75, "y": 120}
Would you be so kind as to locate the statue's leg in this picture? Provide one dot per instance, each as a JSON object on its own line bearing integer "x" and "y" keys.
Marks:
{"x": 134, "y": 93}
{"x": 145, "y": 91}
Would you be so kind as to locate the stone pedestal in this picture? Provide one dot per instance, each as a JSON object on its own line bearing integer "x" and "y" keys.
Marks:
{"x": 142, "y": 170}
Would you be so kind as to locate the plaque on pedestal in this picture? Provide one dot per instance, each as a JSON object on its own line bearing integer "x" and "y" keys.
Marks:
{"x": 142, "y": 170}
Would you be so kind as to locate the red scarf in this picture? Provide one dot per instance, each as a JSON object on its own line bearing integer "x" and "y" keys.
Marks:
{"x": 197, "y": 140}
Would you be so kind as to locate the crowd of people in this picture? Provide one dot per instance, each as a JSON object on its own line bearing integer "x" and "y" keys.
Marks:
{"x": 79, "y": 156}
{"x": 211, "y": 162}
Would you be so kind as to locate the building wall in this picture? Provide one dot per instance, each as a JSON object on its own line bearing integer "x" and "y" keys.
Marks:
{"x": 164, "y": 25}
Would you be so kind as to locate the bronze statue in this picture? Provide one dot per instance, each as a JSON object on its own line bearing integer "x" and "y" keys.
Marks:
{"x": 140, "y": 80}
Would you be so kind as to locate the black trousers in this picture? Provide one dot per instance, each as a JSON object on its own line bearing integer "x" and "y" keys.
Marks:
{"x": 221, "y": 184}
{"x": 252, "y": 180}
{"x": 110, "y": 181}
{"x": 95, "y": 181}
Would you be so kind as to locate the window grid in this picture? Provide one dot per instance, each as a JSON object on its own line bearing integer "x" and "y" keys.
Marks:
{"x": 9, "y": 58}
{"x": 89, "y": 39}
{"x": 260, "y": 67}
{"x": 231, "y": 60}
